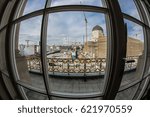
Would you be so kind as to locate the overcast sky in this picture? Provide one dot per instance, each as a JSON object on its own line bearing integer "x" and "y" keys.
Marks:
{"x": 72, "y": 24}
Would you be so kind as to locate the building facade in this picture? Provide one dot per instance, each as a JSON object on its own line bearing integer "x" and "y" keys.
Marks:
{"x": 97, "y": 46}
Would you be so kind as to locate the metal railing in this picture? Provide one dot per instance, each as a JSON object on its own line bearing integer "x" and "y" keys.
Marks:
{"x": 34, "y": 63}
{"x": 80, "y": 66}
{"x": 77, "y": 66}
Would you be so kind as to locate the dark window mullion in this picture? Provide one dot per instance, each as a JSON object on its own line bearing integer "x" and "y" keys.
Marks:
{"x": 57, "y": 9}
{"x": 130, "y": 18}
{"x": 76, "y": 8}
{"x": 118, "y": 50}
{"x": 43, "y": 50}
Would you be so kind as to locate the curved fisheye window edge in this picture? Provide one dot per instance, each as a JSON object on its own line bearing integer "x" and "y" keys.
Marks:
{"x": 28, "y": 4}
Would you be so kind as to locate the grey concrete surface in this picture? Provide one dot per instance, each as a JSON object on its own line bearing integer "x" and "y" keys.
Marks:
{"x": 78, "y": 86}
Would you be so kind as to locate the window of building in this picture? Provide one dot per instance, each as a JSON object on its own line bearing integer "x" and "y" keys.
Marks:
{"x": 77, "y": 47}
{"x": 27, "y": 52}
{"x": 64, "y": 49}
{"x": 136, "y": 52}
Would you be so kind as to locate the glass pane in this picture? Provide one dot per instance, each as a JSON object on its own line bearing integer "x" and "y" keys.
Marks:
{"x": 58, "y": 98}
{"x": 135, "y": 53}
{"x": 29, "y": 6}
{"x": 127, "y": 94}
{"x": 28, "y": 52}
{"x": 32, "y": 95}
{"x": 78, "y": 2}
{"x": 141, "y": 87}
{"x": 76, "y": 52}
{"x": 129, "y": 7}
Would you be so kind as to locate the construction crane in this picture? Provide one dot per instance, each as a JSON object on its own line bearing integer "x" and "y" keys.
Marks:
{"x": 27, "y": 42}
{"x": 86, "y": 32}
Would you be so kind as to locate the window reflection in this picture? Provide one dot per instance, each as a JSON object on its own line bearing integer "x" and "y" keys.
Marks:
{"x": 76, "y": 49}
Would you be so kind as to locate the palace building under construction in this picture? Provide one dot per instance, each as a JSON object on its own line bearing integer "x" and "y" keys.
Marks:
{"x": 97, "y": 45}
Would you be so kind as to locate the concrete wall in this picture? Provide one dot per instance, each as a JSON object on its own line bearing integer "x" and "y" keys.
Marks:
{"x": 7, "y": 89}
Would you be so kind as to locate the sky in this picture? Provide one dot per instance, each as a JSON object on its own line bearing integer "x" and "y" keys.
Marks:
{"x": 134, "y": 30}
{"x": 64, "y": 25}
{"x": 72, "y": 25}
{"x": 33, "y": 5}
{"x": 30, "y": 30}
{"x": 76, "y": 2}
{"x": 129, "y": 7}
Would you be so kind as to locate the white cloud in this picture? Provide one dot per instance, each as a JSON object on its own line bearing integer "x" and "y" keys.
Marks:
{"x": 129, "y": 7}
{"x": 61, "y": 26}
{"x": 76, "y": 2}
{"x": 72, "y": 24}
{"x": 30, "y": 30}
{"x": 69, "y": 24}
{"x": 135, "y": 30}
{"x": 33, "y": 5}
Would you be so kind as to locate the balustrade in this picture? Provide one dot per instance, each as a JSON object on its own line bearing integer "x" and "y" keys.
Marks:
{"x": 83, "y": 66}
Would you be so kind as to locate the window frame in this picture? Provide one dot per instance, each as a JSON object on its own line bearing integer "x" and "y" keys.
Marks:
{"x": 111, "y": 87}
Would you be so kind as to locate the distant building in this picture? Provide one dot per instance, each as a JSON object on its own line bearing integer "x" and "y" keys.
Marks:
{"x": 97, "y": 46}
{"x": 29, "y": 50}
